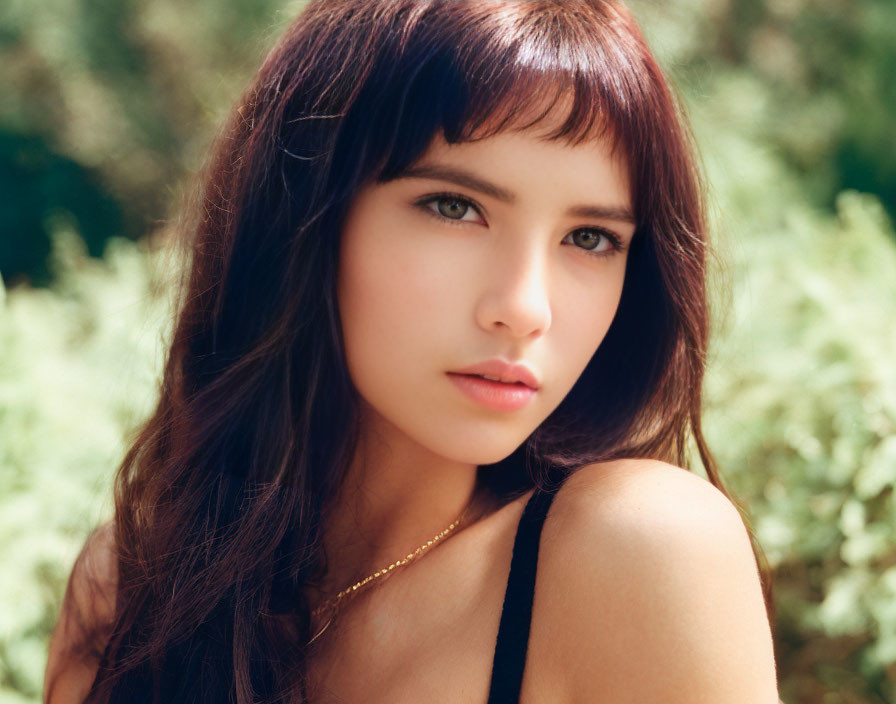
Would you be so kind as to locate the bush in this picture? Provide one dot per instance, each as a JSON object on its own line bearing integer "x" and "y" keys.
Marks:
{"x": 78, "y": 372}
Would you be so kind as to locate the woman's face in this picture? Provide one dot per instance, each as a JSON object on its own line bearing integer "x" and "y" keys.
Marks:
{"x": 511, "y": 248}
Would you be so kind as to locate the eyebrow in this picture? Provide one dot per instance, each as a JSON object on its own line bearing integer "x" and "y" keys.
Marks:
{"x": 465, "y": 178}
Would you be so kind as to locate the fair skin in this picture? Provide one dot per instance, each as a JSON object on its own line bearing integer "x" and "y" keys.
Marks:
{"x": 524, "y": 276}
{"x": 647, "y": 589}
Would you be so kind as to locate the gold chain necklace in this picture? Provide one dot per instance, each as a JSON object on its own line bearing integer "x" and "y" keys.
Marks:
{"x": 333, "y": 603}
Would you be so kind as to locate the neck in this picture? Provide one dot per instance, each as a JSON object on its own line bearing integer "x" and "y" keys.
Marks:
{"x": 396, "y": 496}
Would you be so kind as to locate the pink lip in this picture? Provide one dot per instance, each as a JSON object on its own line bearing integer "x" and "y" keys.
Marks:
{"x": 515, "y": 387}
{"x": 497, "y": 395}
{"x": 504, "y": 371}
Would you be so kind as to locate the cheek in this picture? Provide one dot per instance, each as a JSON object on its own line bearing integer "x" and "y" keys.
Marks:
{"x": 367, "y": 296}
{"x": 581, "y": 321}
{"x": 383, "y": 288}
{"x": 390, "y": 295}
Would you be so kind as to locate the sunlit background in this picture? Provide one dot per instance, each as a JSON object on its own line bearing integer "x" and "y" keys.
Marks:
{"x": 107, "y": 109}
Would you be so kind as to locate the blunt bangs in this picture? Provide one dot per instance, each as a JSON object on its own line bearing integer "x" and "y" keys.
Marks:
{"x": 471, "y": 70}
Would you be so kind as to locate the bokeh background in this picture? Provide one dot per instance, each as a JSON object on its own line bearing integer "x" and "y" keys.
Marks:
{"x": 109, "y": 105}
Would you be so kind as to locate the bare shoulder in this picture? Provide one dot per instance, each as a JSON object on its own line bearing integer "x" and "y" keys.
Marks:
{"x": 85, "y": 620}
{"x": 652, "y": 592}
{"x": 638, "y": 497}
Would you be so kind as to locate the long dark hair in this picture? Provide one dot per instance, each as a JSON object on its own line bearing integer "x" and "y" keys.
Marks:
{"x": 218, "y": 502}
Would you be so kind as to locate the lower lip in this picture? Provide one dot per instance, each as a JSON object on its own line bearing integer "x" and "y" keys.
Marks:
{"x": 493, "y": 394}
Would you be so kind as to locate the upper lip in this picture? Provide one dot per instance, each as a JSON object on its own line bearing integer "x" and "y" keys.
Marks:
{"x": 505, "y": 371}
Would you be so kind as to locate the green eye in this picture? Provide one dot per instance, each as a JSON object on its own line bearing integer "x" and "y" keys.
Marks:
{"x": 589, "y": 239}
{"x": 596, "y": 242}
{"x": 449, "y": 206}
{"x": 452, "y": 207}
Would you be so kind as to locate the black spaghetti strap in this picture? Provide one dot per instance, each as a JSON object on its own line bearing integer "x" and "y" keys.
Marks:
{"x": 516, "y": 614}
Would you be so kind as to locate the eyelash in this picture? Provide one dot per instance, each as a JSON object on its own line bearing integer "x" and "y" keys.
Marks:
{"x": 614, "y": 240}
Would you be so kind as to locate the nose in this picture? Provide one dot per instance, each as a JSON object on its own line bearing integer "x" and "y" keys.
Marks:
{"x": 515, "y": 297}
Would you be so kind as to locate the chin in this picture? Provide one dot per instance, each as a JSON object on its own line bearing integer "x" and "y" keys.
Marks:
{"x": 479, "y": 453}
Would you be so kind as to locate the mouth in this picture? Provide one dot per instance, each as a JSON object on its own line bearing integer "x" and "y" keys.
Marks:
{"x": 495, "y": 380}
{"x": 501, "y": 371}
{"x": 492, "y": 393}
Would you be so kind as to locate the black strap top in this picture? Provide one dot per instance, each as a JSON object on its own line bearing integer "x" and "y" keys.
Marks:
{"x": 516, "y": 614}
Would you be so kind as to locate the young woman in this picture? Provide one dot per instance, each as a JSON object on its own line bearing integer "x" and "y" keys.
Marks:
{"x": 433, "y": 382}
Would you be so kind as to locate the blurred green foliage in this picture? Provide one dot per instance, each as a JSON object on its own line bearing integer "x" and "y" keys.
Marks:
{"x": 78, "y": 370}
{"x": 109, "y": 106}
{"x": 47, "y": 190}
